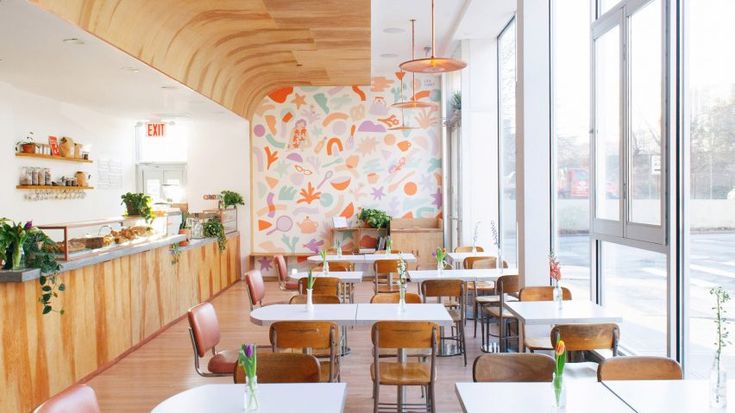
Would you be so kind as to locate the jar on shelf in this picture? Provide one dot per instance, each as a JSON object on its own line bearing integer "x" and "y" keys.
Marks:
{"x": 47, "y": 176}
{"x": 34, "y": 176}
{"x": 23, "y": 179}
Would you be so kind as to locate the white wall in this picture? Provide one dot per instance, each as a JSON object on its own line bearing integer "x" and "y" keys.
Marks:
{"x": 219, "y": 159}
{"x": 108, "y": 137}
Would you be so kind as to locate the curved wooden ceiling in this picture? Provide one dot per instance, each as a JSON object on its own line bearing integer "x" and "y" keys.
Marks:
{"x": 235, "y": 51}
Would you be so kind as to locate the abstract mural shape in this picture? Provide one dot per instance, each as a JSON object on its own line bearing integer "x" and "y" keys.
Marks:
{"x": 280, "y": 95}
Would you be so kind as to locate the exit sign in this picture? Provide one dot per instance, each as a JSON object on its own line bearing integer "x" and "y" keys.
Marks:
{"x": 155, "y": 130}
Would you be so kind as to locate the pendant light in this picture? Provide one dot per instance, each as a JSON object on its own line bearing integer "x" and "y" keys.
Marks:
{"x": 412, "y": 103}
{"x": 403, "y": 125}
{"x": 433, "y": 64}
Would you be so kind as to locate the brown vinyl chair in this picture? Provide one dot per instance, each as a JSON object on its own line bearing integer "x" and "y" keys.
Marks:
{"x": 282, "y": 270}
{"x": 585, "y": 337}
{"x": 283, "y": 368}
{"x": 205, "y": 335}
{"x": 484, "y": 292}
{"x": 639, "y": 368}
{"x": 397, "y": 336}
{"x": 454, "y": 290}
{"x": 316, "y": 299}
{"x": 513, "y": 367}
{"x": 468, "y": 248}
{"x": 322, "y": 286}
{"x": 256, "y": 288}
{"x": 544, "y": 293}
{"x": 383, "y": 270}
{"x": 394, "y": 298}
{"x": 505, "y": 286}
{"x": 309, "y": 336}
{"x": 79, "y": 398}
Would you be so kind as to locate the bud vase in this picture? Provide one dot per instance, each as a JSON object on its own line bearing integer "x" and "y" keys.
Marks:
{"x": 499, "y": 261}
{"x": 558, "y": 294}
{"x": 560, "y": 392}
{"x": 18, "y": 257}
{"x": 402, "y": 301}
{"x": 309, "y": 301}
{"x": 339, "y": 251}
{"x": 474, "y": 249}
{"x": 251, "y": 394}
{"x": 718, "y": 385}
{"x": 325, "y": 269}
{"x": 439, "y": 267}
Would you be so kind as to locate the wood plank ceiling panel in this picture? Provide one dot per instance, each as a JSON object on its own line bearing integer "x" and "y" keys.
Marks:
{"x": 235, "y": 51}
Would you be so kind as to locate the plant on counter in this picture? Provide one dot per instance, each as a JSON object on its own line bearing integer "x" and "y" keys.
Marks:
{"x": 175, "y": 253}
{"x": 231, "y": 198}
{"x": 138, "y": 204}
{"x": 214, "y": 228}
{"x": 374, "y": 218}
{"x": 24, "y": 242}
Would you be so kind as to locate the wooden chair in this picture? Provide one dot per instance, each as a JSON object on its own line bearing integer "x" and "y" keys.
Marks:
{"x": 505, "y": 285}
{"x": 383, "y": 270}
{"x": 284, "y": 368}
{"x": 639, "y": 368}
{"x": 79, "y": 398}
{"x": 333, "y": 251}
{"x": 513, "y": 367}
{"x": 322, "y": 286}
{"x": 205, "y": 335}
{"x": 398, "y": 336}
{"x": 394, "y": 298}
{"x": 545, "y": 293}
{"x": 334, "y": 266}
{"x": 309, "y": 336}
{"x": 316, "y": 299}
{"x": 454, "y": 290}
{"x": 256, "y": 288}
{"x": 468, "y": 248}
{"x": 484, "y": 292}
{"x": 585, "y": 337}
{"x": 282, "y": 270}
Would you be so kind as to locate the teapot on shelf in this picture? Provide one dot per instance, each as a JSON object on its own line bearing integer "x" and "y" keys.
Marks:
{"x": 82, "y": 178}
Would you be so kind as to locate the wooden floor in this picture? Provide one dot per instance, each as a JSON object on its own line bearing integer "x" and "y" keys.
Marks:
{"x": 164, "y": 366}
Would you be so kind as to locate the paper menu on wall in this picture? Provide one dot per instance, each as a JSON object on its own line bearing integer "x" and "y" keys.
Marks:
{"x": 109, "y": 174}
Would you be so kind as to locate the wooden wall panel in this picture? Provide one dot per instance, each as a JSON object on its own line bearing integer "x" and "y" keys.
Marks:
{"x": 235, "y": 51}
{"x": 110, "y": 307}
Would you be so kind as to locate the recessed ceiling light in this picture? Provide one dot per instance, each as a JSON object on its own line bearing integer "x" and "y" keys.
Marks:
{"x": 168, "y": 87}
{"x": 73, "y": 40}
{"x": 388, "y": 55}
{"x": 130, "y": 69}
{"x": 393, "y": 30}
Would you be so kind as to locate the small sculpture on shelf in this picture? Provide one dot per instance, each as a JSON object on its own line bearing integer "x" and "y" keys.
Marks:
{"x": 27, "y": 145}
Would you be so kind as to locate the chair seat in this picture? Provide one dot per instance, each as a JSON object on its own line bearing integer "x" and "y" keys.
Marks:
{"x": 290, "y": 286}
{"x": 223, "y": 362}
{"x": 404, "y": 374}
{"x": 410, "y": 352}
{"x": 455, "y": 314}
{"x": 538, "y": 343}
{"x": 481, "y": 285}
{"x": 384, "y": 288}
{"x": 324, "y": 371}
{"x": 487, "y": 299}
{"x": 493, "y": 311}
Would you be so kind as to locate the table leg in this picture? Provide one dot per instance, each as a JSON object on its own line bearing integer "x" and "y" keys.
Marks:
{"x": 402, "y": 357}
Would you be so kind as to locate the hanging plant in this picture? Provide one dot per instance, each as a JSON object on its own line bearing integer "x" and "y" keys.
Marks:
{"x": 214, "y": 228}
{"x": 138, "y": 204}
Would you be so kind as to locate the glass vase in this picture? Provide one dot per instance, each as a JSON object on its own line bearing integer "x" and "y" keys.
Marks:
{"x": 558, "y": 294}
{"x": 251, "y": 394}
{"x": 325, "y": 268}
{"x": 560, "y": 392}
{"x": 718, "y": 385}
{"x": 439, "y": 267}
{"x": 402, "y": 295}
{"x": 309, "y": 301}
{"x": 499, "y": 261}
{"x": 19, "y": 257}
{"x": 339, "y": 251}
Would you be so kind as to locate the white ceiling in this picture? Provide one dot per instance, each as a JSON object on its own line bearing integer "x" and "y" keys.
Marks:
{"x": 95, "y": 74}
{"x": 455, "y": 20}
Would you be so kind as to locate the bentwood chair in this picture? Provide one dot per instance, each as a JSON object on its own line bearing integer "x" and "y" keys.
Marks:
{"x": 585, "y": 337}
{"x": 399, "y": 336}
{"x": 316, "y": 299}
{"x": 505, "y": 286}
{"x": 513, "y": 367}
{"x": 256, "y": 288}
{"x": 205, "y": 335}
{"x": 545, "y": 293}
{"x": 283, "y": 368}
{"x": 384, "y": 270}
{"x": 282, "y": 270}
{"x": 79, "y": 398}
{"x": 468, "y": 248}
{"x": 454, "y": 290}
{"x": 309, "y": 336}
{"x": 639, "y": 368}
{"x": 322, "y": 286}
{"x": 394, "y": 298}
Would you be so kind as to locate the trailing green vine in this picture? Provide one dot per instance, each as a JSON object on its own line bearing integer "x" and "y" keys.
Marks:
{"x": 214, "y": 228}
{"x": 175, "y": 253}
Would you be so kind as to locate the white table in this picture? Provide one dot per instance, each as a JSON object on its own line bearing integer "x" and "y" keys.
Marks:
{"x": 368, "y": 314}
{"x": 349, "y": 278}
{"x": 272, "y": 398}
{"x": 582, "y": 397}
{"x": 480, "y": 274}
{"x": 666, "y": 396}
{"x": 457, "y": 258}
{"x": 341, "y": 314}
{"x": 359, "y": 259}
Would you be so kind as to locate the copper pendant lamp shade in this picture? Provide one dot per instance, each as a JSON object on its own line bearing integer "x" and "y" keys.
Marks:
{"x": 412, "y": 103}
{"x": 433, "y": 64}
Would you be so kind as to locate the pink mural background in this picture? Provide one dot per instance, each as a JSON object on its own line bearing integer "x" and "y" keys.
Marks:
{"x": 321, "y": 152}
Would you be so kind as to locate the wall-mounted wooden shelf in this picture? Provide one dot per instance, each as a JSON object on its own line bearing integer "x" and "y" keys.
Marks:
{"x": 51, "y": 157}
{"x": 52, "y": 188}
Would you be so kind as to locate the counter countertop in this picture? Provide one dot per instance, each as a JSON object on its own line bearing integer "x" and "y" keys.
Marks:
{"x": 34, "y": 273}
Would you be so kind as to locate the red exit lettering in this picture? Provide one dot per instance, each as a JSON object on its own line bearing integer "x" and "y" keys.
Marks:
{"x": 156, "y": 129}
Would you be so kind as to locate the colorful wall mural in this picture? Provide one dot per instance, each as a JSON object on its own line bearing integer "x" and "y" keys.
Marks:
{"x": 321, "y": 152}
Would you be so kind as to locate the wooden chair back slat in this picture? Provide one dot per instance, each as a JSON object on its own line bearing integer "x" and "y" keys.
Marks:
{"x": 303, "y": 334}
{"x": 284, "y": 368}
{"x": 468, "y": 248}
{"x": 482, "y": 262}
{"x": 404, "y": 334}
{"x": 333, "y": 267}
{"x": 385, "y": 266}
{"x": 443, "y": 288}
{"x": 542, "y": 294}
{"x": 586, "y": 337}
{"x": 509, "y": 367}
{"x": 639, "y": 368}
{"x": 394, "y": 298}
{"x": 316, "y": 299}
{"x": 322, "y": 286}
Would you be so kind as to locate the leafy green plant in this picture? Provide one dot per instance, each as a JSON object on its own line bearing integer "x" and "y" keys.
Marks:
{"x": 214, "y": 228}
{"x": 175, "y": 253}
{"x": 231, "y": 198}
{"x": 138, "y": 204}
{"x": 310, "y": 281}
{"x": 374, "y": 218}
{"x": 456, "y": 102}
{"x": 184, "y": 218}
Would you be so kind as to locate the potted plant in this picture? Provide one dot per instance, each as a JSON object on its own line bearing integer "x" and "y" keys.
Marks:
{"x": 230, "y": 198}
{"x": 374, "y": 218}
{"x": 184, "y": 229}
{"x": 27, "y": 145}
{"x": 138, "y": 204}
{"x": 214, "y": 228}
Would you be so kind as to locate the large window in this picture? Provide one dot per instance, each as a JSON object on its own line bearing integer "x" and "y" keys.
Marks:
{"x": 709, "y": 128}
{"x": 570, "y": 64}
{"x": 507, "y": 137}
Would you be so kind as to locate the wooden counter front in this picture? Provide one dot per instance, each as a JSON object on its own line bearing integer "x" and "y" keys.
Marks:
{"x": 110, "y": 308}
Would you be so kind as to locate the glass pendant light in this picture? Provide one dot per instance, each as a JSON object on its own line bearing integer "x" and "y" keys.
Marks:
{"x": 433, "y": 64}
{"x": 412, "y": 103}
